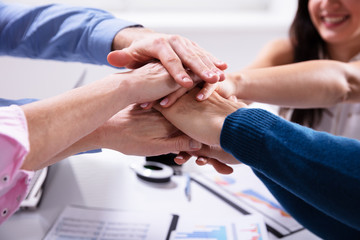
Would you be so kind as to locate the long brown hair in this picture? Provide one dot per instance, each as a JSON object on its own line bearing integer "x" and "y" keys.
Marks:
{"x": 308, "y": 45}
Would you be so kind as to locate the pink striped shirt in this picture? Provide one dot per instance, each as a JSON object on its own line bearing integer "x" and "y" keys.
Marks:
{"x": 14, "y": 146}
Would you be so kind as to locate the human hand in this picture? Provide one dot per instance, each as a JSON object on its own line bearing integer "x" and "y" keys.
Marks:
{"x": 135, "y": 131}
{"x": 213, "y": 155}
{"x": 226, "y": 89}
{"x": 135, "y": 47}
{"x": 148, "y": 83}
{"x": 201, "y": 121}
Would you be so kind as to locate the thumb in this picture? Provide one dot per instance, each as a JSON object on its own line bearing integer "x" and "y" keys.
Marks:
{"x": 181, "y": 143}
{"x": 157, "y": 107}
{"x": 120, "y": 58}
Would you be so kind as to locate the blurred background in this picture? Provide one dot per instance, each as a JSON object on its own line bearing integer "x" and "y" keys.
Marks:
{"x": 232, "y": 30}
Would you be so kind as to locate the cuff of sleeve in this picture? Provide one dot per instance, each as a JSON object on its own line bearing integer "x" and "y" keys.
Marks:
{"x": 90, "y": 151}
{"x": 102, "y": 37}
{"x": 243, "y": 133}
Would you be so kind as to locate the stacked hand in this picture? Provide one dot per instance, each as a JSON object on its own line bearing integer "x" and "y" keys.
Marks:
{"x": 203, "y": 122}
{"x": 135, "y": 47}
{"x": 197, "y": 121}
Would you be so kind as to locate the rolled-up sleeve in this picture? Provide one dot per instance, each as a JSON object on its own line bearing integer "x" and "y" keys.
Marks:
{"x": 14, "y": 146}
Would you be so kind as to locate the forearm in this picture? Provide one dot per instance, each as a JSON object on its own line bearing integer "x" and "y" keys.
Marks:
{"x": 318, "y": 167}
{"x": 58, "y": 32}
{"x": 88, "y": 143}
{"x": 309, "y": 216}
{"x": 320, "y": 83}
{"x": 57, "y": 123}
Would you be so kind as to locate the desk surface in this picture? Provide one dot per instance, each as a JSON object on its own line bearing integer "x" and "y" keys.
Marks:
{"x": 105, "y": 180}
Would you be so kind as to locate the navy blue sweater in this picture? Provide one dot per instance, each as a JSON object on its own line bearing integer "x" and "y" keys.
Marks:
{"x": 314, "y": 175}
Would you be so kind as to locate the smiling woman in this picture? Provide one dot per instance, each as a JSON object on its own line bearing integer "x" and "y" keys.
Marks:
{"x": 338, "y": 22}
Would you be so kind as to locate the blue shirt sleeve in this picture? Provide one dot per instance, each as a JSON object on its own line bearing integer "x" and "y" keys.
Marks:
{"x": 320, "y": 169}
{"x": 58, "y": 32}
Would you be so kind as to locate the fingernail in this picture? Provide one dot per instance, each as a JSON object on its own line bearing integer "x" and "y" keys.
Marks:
{"x": 202, "y": 160}
{"x": 186, "y": 79}
{"x": 195, "y": 144}
{"x": 200, "y": 96}
{"x": 179, "y": 157}
{"x": 164, "y": 101}
{"x": 209, "y": 74}
{"x": 144, "y": 105}
{"x": 218, "y": 72}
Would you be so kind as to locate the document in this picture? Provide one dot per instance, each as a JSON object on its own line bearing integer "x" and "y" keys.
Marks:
{"x": 83, "y": 223}
{"x": 246, "y": 193}
{"x": 94, "y": 223}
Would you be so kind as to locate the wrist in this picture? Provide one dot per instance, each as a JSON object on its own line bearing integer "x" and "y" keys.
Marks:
{"x": 227, "y": 108}
{"x": 126, "y": 36}
{"x": 121, "y": 86}
{"x": 237, "y": 84}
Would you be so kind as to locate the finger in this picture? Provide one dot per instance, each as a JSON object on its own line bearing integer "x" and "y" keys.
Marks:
{"x": 219, "y": 64}
{"x": 181, "y": 143}
{"x": 220, "y": 167}
{"x": 182, "y": 158}
{"x": 201, "y": 161}
{"x": 173, "y": 65}
{"x": 147, "y": 105}
{"x": 171, "y": 98}
{"x": 233, "y": 98}
{"x": 206, "y": 91}
{"x": 195, "y": 59}
{"x": 119, "y": 58}
{"x": 216, "y": 65}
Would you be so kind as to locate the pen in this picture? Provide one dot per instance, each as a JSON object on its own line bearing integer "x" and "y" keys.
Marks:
{"x": 188, "y": 187}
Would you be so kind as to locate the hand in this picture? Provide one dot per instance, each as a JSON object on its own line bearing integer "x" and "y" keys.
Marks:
{"x": 212, "y": 155}
{"x": 149, "y": 83}
{"x": 226, "y": 88}
{"x": 138, "y": 46}
{"x": 201, "y": 121}
{"x": 135, "y": 131}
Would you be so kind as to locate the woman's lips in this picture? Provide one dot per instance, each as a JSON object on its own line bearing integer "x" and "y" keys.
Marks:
{"x": 333, "y": 21}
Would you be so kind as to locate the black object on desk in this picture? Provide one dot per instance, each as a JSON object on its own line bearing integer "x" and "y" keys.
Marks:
{"x": 167, "y": 159}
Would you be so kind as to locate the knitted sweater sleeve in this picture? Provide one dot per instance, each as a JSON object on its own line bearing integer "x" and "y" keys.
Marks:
{"x": 321, "y": 170}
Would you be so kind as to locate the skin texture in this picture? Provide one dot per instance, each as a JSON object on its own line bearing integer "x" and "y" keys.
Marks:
{"x": 200, "y": 120}
{"x": 133, "y": 131}
{"x": 79, "y": 119}
{"x": 203, "y": 121}
{"x": 135, "y": 47}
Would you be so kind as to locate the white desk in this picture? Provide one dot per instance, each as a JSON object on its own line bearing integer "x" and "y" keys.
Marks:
{"x": 105, "y": 180}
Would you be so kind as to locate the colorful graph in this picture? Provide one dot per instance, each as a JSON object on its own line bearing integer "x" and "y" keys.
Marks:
{"x": 224, "y": 180}
{"x": 204, "y": 232}
{"x": 254, "y": 230}
{"x": 258, "y": 198}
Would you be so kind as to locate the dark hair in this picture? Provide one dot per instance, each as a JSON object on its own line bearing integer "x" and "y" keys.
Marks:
{"x": 308, "y": 45}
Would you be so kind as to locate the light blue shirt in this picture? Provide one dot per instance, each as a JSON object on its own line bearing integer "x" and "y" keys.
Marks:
{"x": 58, "y": 32}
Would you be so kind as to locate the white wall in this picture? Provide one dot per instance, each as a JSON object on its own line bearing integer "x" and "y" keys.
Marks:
{"x": 233, "y": 36}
